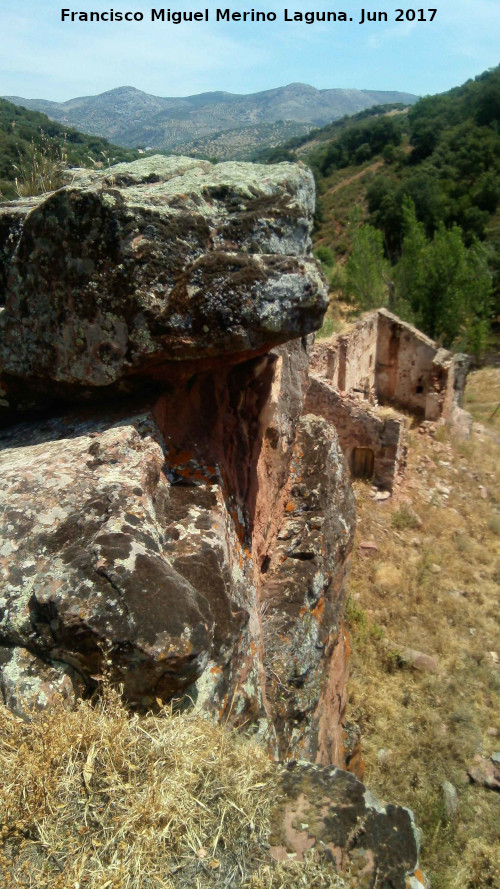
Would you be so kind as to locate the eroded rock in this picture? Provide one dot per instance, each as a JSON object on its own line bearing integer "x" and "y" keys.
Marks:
{"x": 85, "y": 578}
{"x": 28, "y": 684}
{"x": 303, "y": 598}
{"x": 164, "y": 260}
{"x": 331, "y": 811}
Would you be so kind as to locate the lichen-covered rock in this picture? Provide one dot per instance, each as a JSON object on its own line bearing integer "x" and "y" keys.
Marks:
{"x": 163, "y": 260}
{"x": 28, "y": 684}
{"x": 197, "y": 548}
{"x": 303, "y": 598}
{"x": 85, "y": 579}
{"x": 372, "y": 845}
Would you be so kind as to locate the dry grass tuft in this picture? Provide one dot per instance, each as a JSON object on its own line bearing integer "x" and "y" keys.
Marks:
{"x": 96, "y": 797}
{"x": 43, "y": 168}
{"x": 434, "y": 587}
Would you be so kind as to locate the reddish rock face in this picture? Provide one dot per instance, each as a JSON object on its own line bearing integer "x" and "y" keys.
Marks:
{"x": 197, "y": 548}
{"x": 303, "y": 601}
{"x": 196, "y": 542}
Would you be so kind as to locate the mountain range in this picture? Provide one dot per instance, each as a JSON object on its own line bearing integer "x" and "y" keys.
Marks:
{"x": 132, "y": 118}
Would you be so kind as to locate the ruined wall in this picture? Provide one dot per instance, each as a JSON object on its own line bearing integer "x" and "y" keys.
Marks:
{"x": 383, "y": 359}
{"x": 357, "y": 358}
{"x": 360, "y": 427}
{"x": 405, "y": 373}
{"x": 348, "y": 361}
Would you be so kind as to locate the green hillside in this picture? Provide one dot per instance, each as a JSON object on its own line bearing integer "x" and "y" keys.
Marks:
{"x": 25, "y": 135}
{"x": 424, "y": 179}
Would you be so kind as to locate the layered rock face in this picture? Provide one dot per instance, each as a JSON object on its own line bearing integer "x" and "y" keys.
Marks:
{"x": 172, "y": 519}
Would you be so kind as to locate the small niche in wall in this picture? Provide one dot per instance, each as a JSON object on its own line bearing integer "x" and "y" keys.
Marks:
{"x": 362, "y": 463}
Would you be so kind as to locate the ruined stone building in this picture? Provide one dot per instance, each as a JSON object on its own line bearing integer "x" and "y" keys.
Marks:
{"x": 361, "y": 379}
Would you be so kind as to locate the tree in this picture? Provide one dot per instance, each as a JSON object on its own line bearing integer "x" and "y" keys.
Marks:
{"x": 446, "y": 285}
{"x": 410, "y": 272}
{"x": 367, "y": 272}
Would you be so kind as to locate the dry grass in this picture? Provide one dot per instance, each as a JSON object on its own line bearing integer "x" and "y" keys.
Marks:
{"x": 434, "y": 586}
{"x": 42, "y": 169}
{"x": 97, "y": 798}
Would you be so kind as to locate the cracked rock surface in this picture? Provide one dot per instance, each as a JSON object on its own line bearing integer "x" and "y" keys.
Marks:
{"x": 372, "y": 844}
{"x": 162, "y": 260}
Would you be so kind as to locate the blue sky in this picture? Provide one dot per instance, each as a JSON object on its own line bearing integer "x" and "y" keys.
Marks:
{"x": 41, "y": 57}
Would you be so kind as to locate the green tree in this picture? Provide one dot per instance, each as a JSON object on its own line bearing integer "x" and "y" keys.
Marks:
{"x": 446, "y": 286}
{"x": 367, "y": 274}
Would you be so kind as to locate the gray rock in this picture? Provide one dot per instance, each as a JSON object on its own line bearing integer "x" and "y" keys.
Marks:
{"x": 29, "y": 684}
{"x": 424, "y": 663}
{"x": 330, "y": 810}
{"x": 485, "y": 772}
{"x": 85, "y": 578}
{"x": 450, "y": 799}
{"x": 121, "y": 273}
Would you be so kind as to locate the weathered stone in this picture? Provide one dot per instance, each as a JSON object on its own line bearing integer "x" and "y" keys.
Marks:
{"x": 28, "y": 684}
{"x": 85, "y": 577}
{"x": 368, "y": 548}
{"x": 485, "y": 772}
{"x": 450, "y": 799}
{"x": 424, "y": 663}
{"x": 302, "y": 597}
{"x": 167, "y": 260}
{"x": 331, "y": 811}
{"x": 192, "y": 541}
{"x": 168, "y": 550}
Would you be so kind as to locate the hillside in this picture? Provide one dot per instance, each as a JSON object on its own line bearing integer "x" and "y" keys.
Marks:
{"x": 242, "y": 143}
{"x": 21, "y": 131}
{"x": 408, "y": 210}
{"x": 443, "y": 152}
{"x": 425, "y": 573}
{"x": 134, "y": 118}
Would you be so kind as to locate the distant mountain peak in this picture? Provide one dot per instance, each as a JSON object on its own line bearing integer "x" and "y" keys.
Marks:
{"x": 131, "y": 117}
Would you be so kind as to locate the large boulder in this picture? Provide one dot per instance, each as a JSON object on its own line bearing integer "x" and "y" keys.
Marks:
{"x": 123, "y": 272}
{"x": 373, "y": 845}
{"x": 85, "y": 580}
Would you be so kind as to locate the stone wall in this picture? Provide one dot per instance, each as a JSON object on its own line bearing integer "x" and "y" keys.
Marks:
{"x": 383, "y": 358}
{"x": 412, "y": 372}
{"x": 362, "y": 428}
{"x": 404, "y": 372}
{"x": 349, "y": 361}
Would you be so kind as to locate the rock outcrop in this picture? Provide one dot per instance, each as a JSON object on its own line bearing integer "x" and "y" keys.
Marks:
{"x": 167, "y": 259}
{"x": 173, "y": 519}
{"x": 185, "y": 529}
